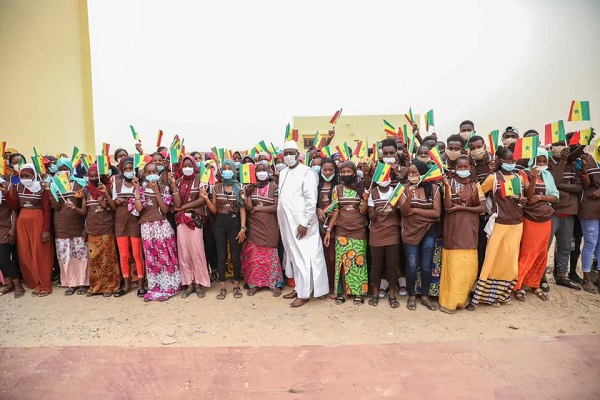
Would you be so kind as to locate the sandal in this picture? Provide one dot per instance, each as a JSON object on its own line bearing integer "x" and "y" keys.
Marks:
{"x": 383, "y": 293}
{"x": 237, "y": 293}
{"x": 393, "y": 302}
{"x": 540, "y": 293}
{"x": 19, "y": 292}
{"x": 471, "y": 307}
{"x": 186, "y": 293}
{"x": 5, "y": 290}
{"x": 107, "y": 294}
{"x": 374, "y": 301}
{"x": 120, "y": 293}
{"x": 69, "y": 292}
{"x": 359, "y": 301}
{"x": 43, "y": 293}
{"x": 252, "y": 291}
{"x": 90, "y": 294}
{"x": 34, "y": 292}
{"x": 276, "y": 292}
{"x": 427, "y": 303}
{"x": 200, "y": 292}
{"x": 411, "y": 303}
{"x": 520, "y": 295}
{"x": 222, "y": 294}
{"x": 81, "y": 290}
{"x": 141, "y": 292}
{"x": 340, "y": 300}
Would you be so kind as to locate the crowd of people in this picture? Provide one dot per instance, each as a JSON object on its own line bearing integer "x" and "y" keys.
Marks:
{"x": 325, "y": 226}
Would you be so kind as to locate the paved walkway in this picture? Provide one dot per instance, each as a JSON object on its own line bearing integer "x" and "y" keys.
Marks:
{"x": 567, "y": 367}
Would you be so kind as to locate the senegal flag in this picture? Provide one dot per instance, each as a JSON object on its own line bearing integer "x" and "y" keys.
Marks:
{"x": 76, "y": 156}
{"x": 511, "y": 187}
{"x": 326, "y": 151}
{"x": 2, "y": 166}
{"x": 262, "y": 147}
{"x": 555, "y": 132}
{"x": 580, "y": 111}
{"x": 582, "y": 137}
{"x": 319, "y": 140}
{"x": 382, "y": 172}
{"x": 433, "y": 174}
{"x": 389, "y": 128}
{"x": 393, "y": 200}
{"x": 61, "y": 181}
{"x": 159, "y": 138}
{"x": 436, "y": 157}
{"x": 207, "y": 175}
{"x": 526, "y": 148}
{"x": 136, "y": 137}
{"x": 429, "y": 120}
{"x": 345, "y": 151}
{"x": 409, "y": 117}
{"x": 105, "y": 149}
{"x": 103, "y": 165}
{"x": 361, "y": 149}
{"x": 331, "y": 207}
{"x": 493, "y": 141}
{"x": 86, "y": 161}
{"x": 375, "y": 151}
{"x": 38, "y": 163}
{"x": 248, "y": 173}
{"x": 335, "y": 117}
{"x": 174, "y": 155}
{"x": 290, "y": 134}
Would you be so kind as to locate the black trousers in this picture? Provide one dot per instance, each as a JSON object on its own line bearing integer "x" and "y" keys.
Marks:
{"x": 7, "y": 266}
{"x": 226, "y": 229}
{"x": 385, "y": 257}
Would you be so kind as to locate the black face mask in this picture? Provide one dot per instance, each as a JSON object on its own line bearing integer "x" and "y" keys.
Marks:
{"x": 96, "y": 182}
{"x": 347, "y": 178}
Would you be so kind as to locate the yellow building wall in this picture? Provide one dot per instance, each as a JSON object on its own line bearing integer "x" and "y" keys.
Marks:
{"x": 349, "y": 128}
{"x": 45, "y": 76}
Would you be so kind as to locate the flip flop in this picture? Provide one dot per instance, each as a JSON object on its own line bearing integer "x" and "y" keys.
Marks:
{"x": 141, "y": 293}
{"x": 81, "y": 290}
{"x": 19, "y": 293}
{"x": 120, "y": 293}
{"x": 340, "y": 300}
{"x": 69, "y": 292}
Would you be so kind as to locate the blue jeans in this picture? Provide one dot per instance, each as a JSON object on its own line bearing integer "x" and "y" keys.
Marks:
{"x": 591, "y": 244}
{"x": 420, "y": 255}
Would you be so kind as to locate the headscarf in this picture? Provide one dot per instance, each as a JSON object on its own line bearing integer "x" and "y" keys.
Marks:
{"x": 67, "y": 163}
{"x": 124, "y": 160}
{"x": 356, "y": 185}
{"x": 551, "y": 189}
{"x": 262, "y": 184}
{"x": 93, "y": 189}
{"x": 117, "y": 151}
{"x": 233, "y": 182}
{"x": 423, "y": 168}
{"x": 186, "y": 182}
{"x": 248, "y": 158}
{"x": 35, "y": 186}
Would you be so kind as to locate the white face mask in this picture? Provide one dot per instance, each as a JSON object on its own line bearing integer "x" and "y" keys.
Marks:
{"x": 16, "y": 167}
{"x": 360, "y": 174}
{"x": 187, "y": 171}
{"x": 262, "y": 175}
{"x": 280, "y": 167}
{"x": 27, "y": 182}
{"x": 290, "y": 160}
{"x": 384, "y": 183}
{"x": 541, "y": 168}
{"x": 466, "y": 134}
{"x": 389, "y": 160}
{"x": 508, "y": 141}
{"x": 62, "y": 172}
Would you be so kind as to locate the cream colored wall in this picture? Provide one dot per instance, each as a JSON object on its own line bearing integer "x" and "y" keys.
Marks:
{"x": 45, "y": 76}
{"x": 349, "y": 128}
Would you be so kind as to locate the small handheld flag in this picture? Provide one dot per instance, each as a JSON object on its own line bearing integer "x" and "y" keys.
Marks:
{"x": 409, "y": 117}
{"x": 136, "y": 137}
{"x": 76, "y": 156}
{"x": 582, "y": 137}
{"x": 103, "y": 165}
{"x": 382, "y": 172}
{"x": 361, "y": 149}
{"x": 493, "y": 141}
{"x": 429, "y": 120}
{"x": 326, "y": 151}
{"x": 38, "y": 163}
{"x": 345, "y": 151}
{"x": 393, "y": 200}
{"x": 510, "y": 188}
{"x": 335, "y": 117}
{"x": 105, "y": 149}
{"x": 331, "y": 207}
{"x": 291, "y": 134}
{"x": 319, "y": 140}
{"x": 174, "y": 156}
{"x": 436, "y": 157}
{"x": 61, "y": 181}
{"x": 248, "y": 173}
{"x": 159, "y": 138}
{"x": 207, "y": 175}
{"x": 389, "y": 129}
{"x": 526, "y": 148}
{"x": 580, "y": 111}
{"x": 433, "y": 174}
{"x": 555, "y": 132}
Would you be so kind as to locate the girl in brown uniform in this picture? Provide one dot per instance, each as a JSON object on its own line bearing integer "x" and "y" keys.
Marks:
{"x": 328, "y": 179}
{"x": 8, "y": 235}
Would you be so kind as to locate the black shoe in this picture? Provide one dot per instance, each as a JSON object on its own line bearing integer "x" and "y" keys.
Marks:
{"x": 575, "y": 278}
{"x": 567, "y": 283}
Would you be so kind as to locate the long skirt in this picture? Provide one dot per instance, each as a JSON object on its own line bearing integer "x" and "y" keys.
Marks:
{"x": 533, "y": 255}
{"x": 501, "y": 266}
{"x": 73, "y": 258}
{"x": 160, "y": 251}
{"x": 351, "y": 261}
{"x": 261, "y": 266}
{"x": 459, "y": 273}
{"x": 105, "y": 273}
{"x": 35, "y": 258}
{"x": 192, "y": 258}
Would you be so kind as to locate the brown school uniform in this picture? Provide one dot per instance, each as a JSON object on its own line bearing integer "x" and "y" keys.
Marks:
{"x": 99, "y": 220}
{"x": 5, "y": 221}
{"x": 568, "y": 203}
{"x": 262, "y": 227}
{"x": 540, "y": 211}
{"x": 385, "y": 230}
{"x": 201, "y": 210}
{"x": 414, "y": 227}
{"x": 461, "y": 228}
{"x": 324, "y": 198}
{"x": 226, "y": 203}
{"x": 482, "y": 168}
{"x": 67, "y": 223}
{"x": 509, "y": 212}
{"x": 126, "y": 224}
{"x": 350, "y": 222}
{"x": 151, "y": 211}
{"x": 590, "y": 208}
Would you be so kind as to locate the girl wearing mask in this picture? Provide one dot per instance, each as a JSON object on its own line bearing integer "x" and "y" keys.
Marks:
{"x": 384, "y": 241}
{"x": 69, "y": 225}
{"x": 152, "y": 203}
{"x": 260, "y": 261}
{"x": 423, "y": 154}
{"x": 103, "y": 265}
{"x": 8, "y": 235}
{"x": 456, "y": 145}
{"x": 279, "y": 166}
{"x": 421, "y": 207}
{"x": 161, "y": 163}
{"x": 190, "y": 216}
{"x": 464, "y": 201}
{"x": 127, "y": 228}
{"x": 328, "y": 179}
{"x": 14, "y": 163}
{"x": 34, "y": 240}
{"x": 229, "y": 226}
{"x": 501, "y": 265}
{"x": 537, "y": 226}
{"x": 350, "y": 199}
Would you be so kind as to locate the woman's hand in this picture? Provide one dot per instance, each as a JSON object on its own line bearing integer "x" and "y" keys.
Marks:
{"x": 365, "y": 195}
{"x": 204, "y": 193}
{"x": 70, "y": 205}
{"x": 45, "y": 237}
{"x": 321, "y": 215}
{"x": 154, "y": 187}
{"x": 327, "y": 238}
{"x": 102, "y": 189}
{"x": 241, "y": 236}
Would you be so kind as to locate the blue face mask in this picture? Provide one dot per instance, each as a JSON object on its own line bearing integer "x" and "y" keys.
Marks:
{"x": 316, "y": 168}
{"x": 152, "y": 178}
{"x": 327, "y": 179}
{"x": 463, "y": 173}
{"x": 160, "y": 168}
{"x": 227, "y": 174}
{"x": 52, "y": 168}
{"x": 128, "y": 175}
{"x": 199, "y": 164}
{"x": 508, "y": 167}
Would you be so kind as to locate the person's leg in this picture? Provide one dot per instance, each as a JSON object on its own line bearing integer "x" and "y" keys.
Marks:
{"x": 575, "y": 251}
{"x": 377, "y": 259}
{"x": 8, "y": 268}
{"x": 427, "y": 248}
{"x": 235, "y": 249}
{"x": 411, "y": 253}
{"x": 392, "y": 256}
{"x": 564, "y": 234}
{"x": 123, "y": 246}
{"x": 590, "y": 245}
{"x": 136, "y": 249}
{"x": 481, "y": 243}
{"x": 221, "y": 244}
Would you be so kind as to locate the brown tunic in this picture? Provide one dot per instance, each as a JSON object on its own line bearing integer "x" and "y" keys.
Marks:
{"x": 350, "y": 222}
{"x": 262, "y": 227}
{"x": 226, "y": 203}
{"x": 461, "y": 228}
{"x": 568, "y": 203}
{"x": 590, "y": 208}
{"x": 509, "y": 212}
{"x": 5, "y": 221}
{"x": 98, "y": 221}
{"x": 385, "y": 229}
{"x": 151, "y": 211}
{"x": 414, "y": 227}
{"x": 126, "y": 224}
{"x": 201, "y": 210}
{"x": 67, "y": 223}
{"x": 540, "y": 211}
{"x": 482, "y": 168}
{"x": 324, "y": 199}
